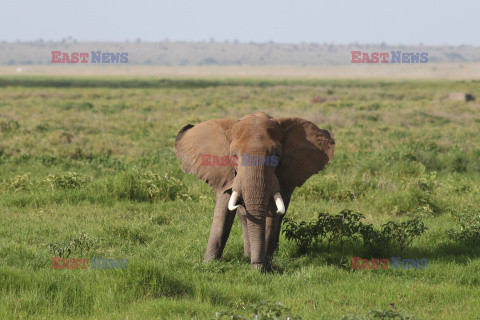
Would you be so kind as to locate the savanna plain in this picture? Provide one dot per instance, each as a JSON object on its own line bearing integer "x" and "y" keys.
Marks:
{"x": 88, "y": 169}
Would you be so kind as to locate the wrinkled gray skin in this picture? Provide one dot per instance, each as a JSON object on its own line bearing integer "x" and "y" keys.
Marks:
{"x": 302, "y": 148}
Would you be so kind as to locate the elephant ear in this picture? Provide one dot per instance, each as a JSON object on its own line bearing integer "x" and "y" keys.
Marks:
{"x": 306, "y": 149}
{"x": 208, "y": 139}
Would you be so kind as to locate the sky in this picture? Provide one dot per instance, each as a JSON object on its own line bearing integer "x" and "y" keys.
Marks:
{"x": 400, "y": 22}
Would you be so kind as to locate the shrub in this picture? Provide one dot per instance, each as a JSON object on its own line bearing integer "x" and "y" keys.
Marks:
{"x": 303, "y": 233}
{"x": 341, "y": 227}
{"x": 373, "y": 238}
{"x": 403, "y": 233}
{"x": 347, "y": 226}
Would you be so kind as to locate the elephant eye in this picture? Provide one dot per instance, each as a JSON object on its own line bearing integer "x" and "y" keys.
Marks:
{"x": 277, "y": 152}
{"x": 234, "y": 161}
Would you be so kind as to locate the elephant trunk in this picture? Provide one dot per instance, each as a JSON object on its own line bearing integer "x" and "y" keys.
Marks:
{"x": 257, "y": 191}
{"x": 256, "y": 236}
{"x": 256, "y": 220}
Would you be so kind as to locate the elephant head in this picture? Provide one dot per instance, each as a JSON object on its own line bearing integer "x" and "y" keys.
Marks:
{"x": 253, "y": 164}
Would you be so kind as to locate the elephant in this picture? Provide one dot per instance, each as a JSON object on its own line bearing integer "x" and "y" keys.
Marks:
{"x": 253, "y": 164}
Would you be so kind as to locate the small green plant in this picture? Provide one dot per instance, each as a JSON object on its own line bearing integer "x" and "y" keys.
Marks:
{"x": 265, "y": 310}
{"x": 403, "y": 233}
{"x": 305, "y": 234}
{"x": 81, "y": 243}
{"x": 18, "y": 183}
{"x": 373, "y": 238}
{"x": 66, "y": 180}
{"x": 341, "y": 227}
{"x": 469, "y": 230}
{"x": 62, "y": 250}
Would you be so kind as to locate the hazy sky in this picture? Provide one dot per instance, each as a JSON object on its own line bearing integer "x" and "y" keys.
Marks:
{"x": 433, "y": 22}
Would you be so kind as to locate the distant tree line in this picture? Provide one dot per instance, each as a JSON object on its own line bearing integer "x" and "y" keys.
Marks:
{"x": 169, "y": 53}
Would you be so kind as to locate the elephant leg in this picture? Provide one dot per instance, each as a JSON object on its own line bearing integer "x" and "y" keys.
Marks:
{"x": 246, "y": 241}
{"x": 273, "y": 227}
{"x": 272, "y": 235}
{"x": 220, "y": 229}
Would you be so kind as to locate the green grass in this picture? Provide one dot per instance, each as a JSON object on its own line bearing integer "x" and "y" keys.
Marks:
{"x": 401, "y": 151}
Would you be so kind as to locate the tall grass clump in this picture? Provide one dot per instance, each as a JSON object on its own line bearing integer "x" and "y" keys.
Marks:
{"x": 66, "y": 180}
{"x": 148, "y": 186}
{"x": 18, "y": 183}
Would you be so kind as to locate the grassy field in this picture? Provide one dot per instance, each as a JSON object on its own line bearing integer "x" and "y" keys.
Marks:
{"x": 96, "y": 156}
{"x": 352, "y": 71}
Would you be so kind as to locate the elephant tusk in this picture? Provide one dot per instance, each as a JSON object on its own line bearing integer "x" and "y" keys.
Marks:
{"x": 279, "y": 202}
{"x": 232, "y": 201}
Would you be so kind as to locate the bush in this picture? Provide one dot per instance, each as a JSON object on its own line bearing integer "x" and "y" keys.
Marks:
{"x": 373, "y": 238}
{"x": 333, "y": 228}
{"x": 347, "y": 226}
{"x": 341, "y": 227}
{"x": 403, "y": 233}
